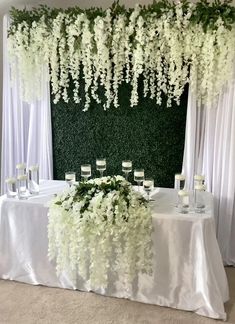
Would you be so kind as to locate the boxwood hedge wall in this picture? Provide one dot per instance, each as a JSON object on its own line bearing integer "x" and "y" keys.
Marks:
{"x": 151, "y": 136}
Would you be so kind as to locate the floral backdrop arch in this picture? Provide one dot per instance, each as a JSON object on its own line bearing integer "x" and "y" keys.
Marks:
{"x": 167, "y": 44}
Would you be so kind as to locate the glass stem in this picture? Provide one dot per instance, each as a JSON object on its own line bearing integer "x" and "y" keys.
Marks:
{"x": 126, "y": 176}
{"x": 138, "y": 186}
{"x": 101, "y": 173}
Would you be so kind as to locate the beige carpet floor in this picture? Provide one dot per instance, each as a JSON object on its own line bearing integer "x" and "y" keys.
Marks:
{"x": 26, "y": 304}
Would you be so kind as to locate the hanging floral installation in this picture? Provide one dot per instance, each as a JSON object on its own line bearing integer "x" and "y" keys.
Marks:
{"x": 167, "y": 45}
{"x": 99, "y": 221}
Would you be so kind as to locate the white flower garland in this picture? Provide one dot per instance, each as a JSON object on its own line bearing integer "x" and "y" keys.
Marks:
{"x": 168, "y": 52}
{"x": 98, "y": 226}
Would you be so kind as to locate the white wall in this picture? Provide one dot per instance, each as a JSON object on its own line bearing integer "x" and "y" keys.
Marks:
{"x": 5, "y": 5}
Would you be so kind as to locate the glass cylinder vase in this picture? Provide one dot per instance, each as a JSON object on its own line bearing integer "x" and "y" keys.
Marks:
{"x": 22, "y": 185}
{"x": 199, "y": 199}
{"x": 34, "y": 179}
{"x": 11, "y": 187}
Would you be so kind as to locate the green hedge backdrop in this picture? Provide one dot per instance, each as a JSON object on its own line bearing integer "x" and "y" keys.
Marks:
{"x": 151, "y": 136}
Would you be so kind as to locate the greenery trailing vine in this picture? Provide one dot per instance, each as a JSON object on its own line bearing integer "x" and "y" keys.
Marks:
{"x": 205, "y": 12}
{"x": 169, "y": 44}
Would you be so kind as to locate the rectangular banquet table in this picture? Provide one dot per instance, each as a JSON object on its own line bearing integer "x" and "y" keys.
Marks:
{"x": 188, "y": 272}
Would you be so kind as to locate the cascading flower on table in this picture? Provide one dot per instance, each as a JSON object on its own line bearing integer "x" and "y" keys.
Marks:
{"x": 167, "y": 44}
{"x": 100, "y": 226}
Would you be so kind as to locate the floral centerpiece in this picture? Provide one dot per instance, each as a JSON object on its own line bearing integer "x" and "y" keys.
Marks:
{"x": 100, "y": 225}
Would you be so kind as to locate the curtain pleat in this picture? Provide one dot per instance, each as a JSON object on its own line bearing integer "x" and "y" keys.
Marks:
{"x": 26, "y": 128}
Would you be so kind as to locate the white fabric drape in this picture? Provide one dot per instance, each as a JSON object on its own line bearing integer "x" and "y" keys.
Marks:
{"x": 26, "y": 128}
{"x": 210, "y": 150}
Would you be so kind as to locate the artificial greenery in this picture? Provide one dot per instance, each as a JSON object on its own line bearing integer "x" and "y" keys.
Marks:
{"x": 205, "y": 12}
{"x": 151, "y": 136}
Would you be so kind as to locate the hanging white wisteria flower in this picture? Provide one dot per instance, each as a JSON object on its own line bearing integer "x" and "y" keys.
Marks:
{"x": 164, "y": 45}
{"x": 100, "y": 227}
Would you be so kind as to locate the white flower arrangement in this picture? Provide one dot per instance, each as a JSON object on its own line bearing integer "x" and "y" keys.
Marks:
{"x": 100, "y": 226}
{"x": 167, "y": 50}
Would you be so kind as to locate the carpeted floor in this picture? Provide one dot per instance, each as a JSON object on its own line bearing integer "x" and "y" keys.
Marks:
{"x": 27, "y": 304}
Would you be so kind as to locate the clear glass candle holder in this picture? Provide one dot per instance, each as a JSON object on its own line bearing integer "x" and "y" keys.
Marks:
{"x": 148, "y": 187}
{"x": 179, "y": 184}
{"x": 11, "y": 187}
{"x": 126, "y": 168}
{"x": 199, "y": 180}
{"x": 70, "y": 178}
{"x": 20, "y": 169}
{"x": 33, "y": 179}
{"x": 199, "y": 199}
{"x": 139, "y": 177}
{"x": 183, "y": 201}
{"x": 101, "y": 166}
{"x": 22, "y": 185}
{"x": 86, "y": 171}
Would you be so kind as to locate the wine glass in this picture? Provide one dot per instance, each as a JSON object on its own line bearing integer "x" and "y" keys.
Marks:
{"x": 85, "y": 171}
{"x": 148, "y": 187}
{"x": 126, "y": 168}
{"x": 139, "y": 177}
{"x": 70, "y": 178}
{"x": 101, "y": 166}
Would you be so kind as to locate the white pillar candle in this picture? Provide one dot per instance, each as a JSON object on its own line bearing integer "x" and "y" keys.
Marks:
{"x": 20, "y": 166}
{"x": 127, "y": 164}
{"x": 179, "y": 177}
{"x": 139, "y": 174}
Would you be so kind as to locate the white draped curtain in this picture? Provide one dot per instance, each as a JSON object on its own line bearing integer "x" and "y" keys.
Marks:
{"x": 26, "y": 128}
{"x": 210, "y": 150}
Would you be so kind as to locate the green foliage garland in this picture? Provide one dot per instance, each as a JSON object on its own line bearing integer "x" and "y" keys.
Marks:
{"x": 205, "y": 12}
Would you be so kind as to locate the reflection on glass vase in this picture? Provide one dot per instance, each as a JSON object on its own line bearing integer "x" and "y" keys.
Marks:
{"x": 34, "y": 179}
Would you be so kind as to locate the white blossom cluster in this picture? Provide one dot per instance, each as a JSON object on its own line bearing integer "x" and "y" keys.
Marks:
{"x": 102, "y": 232}
{"x": 166, "y": 52}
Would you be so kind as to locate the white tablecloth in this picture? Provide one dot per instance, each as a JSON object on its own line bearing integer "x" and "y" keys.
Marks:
{"x": 188, "y": 272}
